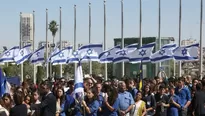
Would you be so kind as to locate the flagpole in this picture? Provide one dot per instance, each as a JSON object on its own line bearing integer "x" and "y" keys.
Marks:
{"x": 159, "y": 30}
{"x": 21, "y": 45}
{"x": 122, "y": 32}
{"x": 47, "y": 65}
{"x": 105, "y": 36}
{"x": 180, "y": 13}
{"x": 75, "y": 33}
{"x": 140, "y": 25}
{"x": 34, "y": 67}
{"x": 90, "y": 65}
{"x": 201, "y": 40}
{"x": 60, "y": 40}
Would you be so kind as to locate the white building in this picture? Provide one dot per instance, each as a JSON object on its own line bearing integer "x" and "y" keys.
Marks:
{"x": 188, "y": 42}
{"x": 64, "y": 44}
{"x": 27, "y": 28}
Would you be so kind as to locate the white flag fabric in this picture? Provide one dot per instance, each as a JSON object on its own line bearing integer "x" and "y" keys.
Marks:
{"x": 107, "y": 56}
{"x": 187, "y": 53}
{"x": 123, "y": 54}
{"x": 90, "y": 52}
{"x": 78, "y": 86}
{"x": 8, "y": 55}
{"x": 62, "y": 56}
{"x": 142, "y": 54}
{"x": 37, "y": 56}
{"x": 74, "y": 58}
{"x": 165, "y": 53}
{"x": 55, "y": 50}
{"x": 23, "y": 54}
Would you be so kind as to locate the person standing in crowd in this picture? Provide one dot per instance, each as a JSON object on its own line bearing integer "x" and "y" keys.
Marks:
{"x": 199, "y": 101}
{"x": 91, "y": 103}
{"x": 126, "y": 100}
{"x": 7, "y": 101}
{"x": 174, "y": 103}
{"x": 3, "y": 110}
{"x": 35, "y": 100}
{"x": 60, "y": 102}
{"x": 139, "y": 107}
{"x": 162, "y": 102}
{"x": 100, "y": 99}
{"x": 150, "y": 101}
{"x": 27, "y": 102}
{"x": 111, "y": 101}
{"x": 131, "y": 88}
{"x": 185, "y": 96}
{"x": 48, "y": 103}
{"x": 19, "y": 109}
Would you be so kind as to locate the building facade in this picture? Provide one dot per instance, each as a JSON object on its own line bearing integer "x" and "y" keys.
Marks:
{"x": 149, "y": 69}
{"x": 27, "y": 26}
{"x": 188, "y": 42}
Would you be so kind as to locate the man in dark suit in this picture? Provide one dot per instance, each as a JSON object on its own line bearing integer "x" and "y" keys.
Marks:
{"x": 48, "y": 104}
{"x": 199, "y": 100}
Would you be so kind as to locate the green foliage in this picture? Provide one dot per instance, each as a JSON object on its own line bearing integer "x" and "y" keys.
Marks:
{"x": 11, "y": 70}
{"x": 41, "y": 73}
{"x": 53, "y": 27}
{"x": 56, "y": 70}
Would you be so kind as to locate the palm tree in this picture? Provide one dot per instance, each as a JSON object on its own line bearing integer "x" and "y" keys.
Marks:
{"x": 53, "y": 27}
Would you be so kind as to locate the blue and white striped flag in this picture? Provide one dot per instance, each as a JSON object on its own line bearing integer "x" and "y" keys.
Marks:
{"x": 165, "y": 53}
{"x": 23, "y": 54}
{"x": 74, "y": 58}
{"x": 187, "y": 52}
{"x": 62, "y": 56}
{"x": 122, "y": 55}
{"x": 8, "y": 55}
{"x": 142, "y": 54}
{"x": 78, "y": 86}
{"x": 108, "y": 55}
{"x": 90, "y": 52}
{"x": 37, "y": 56}
{"x": 55, "y": 50}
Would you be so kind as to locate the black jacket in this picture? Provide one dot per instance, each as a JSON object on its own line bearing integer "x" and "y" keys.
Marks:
{"x": 199, "y": 103}
{"x": 47, "y": 106}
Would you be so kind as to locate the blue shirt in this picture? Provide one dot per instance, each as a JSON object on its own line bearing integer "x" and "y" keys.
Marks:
{"x": 133, "y": 92}
{"x": 126, "y": 100}
{"x": 184, "y": 95}
{"x": 107, "y": 112}
{"x": 62, "y": 107}
{"x": 93, "y": 108}
{"x": 173, "y": 110}
{"x": 101, "y": 101}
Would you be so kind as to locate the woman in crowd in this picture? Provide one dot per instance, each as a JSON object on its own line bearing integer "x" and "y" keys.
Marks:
{"x": 27, "y": 102}
{"x": 139, "y": 107}
{"x": 111, "y": 102}
{"x": 149, "y": 100}
{"x": 91, "y": 103}
{"x": 60, "y": 95}
{"x": 35, "y": 100}
{"x": 19, "y": 109}
{"x": 7, "y": 101}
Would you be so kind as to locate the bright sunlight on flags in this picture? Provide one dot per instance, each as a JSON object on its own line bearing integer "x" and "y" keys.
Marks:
{"x": 62, "y": 56}
{"x": 55, "y": 50}
{"x": 74, "y": 58}
{"x": 5, "y": 85}
{"x": 90, "y": 52}
{"x": 23, "y": 54}
{"x": 37, "y": 56}
{"x": 123, "y": 54}
{"x": 8, "y": 55}
{"x": 143, "y": 54}
{"x": 78, "y": 87}
{"x": 165, "y": 53}
{"x": 108, "y": 55}
{"x": 187, "y": 52}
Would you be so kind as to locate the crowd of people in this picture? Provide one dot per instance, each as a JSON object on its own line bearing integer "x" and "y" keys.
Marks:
{"x": 184, "y": 96}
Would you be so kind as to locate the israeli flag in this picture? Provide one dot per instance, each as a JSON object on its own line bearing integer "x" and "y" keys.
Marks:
{"x": 78, "y": 86}
{"x": 23, "y": 54}
{"x": 90, "y": 52}
{"x": 187, "y": 52}
{"x": 8, "y": 55}
{"x": 107, "y": 56}
{"x": 55, "y": 50}
{"x": 165, "y": 53}
{"x": 142, "y": 54}
{"x": 122, "y": 55}
{"x": 37, "y": 56}
{"x": 74, "y": 58}
{"x": 62, "y": 56}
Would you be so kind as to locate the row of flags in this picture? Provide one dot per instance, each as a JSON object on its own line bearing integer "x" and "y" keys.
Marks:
{"x": 94, "y": 52}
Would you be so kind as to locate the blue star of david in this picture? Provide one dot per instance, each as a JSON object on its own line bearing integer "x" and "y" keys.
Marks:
{"x": 142, "y": 52}
{"x": 75, "y": 54}
{"x": 61, "y": 55}
{"x": 161, "y": 52}
{"x": 7, "y": 53}
{"x": 22, "y": 53}
{"x": 38, "y": 54}
{"x": 123, "y": 53}
{"x": 107, "y": 53}
{"x": 89, "y": 52}
{"x": 184, "y": 51}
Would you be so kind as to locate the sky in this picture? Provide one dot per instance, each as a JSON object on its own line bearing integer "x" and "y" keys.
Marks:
{"x": 10, "y": 10}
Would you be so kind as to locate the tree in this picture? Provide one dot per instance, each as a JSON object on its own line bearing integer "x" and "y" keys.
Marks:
{"x": 53, "y": 27}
